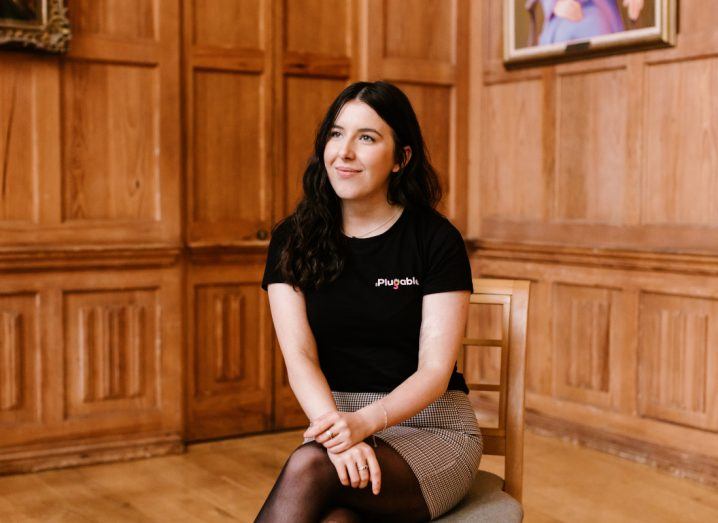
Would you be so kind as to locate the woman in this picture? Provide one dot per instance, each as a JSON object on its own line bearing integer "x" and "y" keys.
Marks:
{"x": 368, "y": 287}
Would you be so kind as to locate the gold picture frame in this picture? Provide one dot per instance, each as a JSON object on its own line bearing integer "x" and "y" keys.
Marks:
{"x": 578, "y": 29}
{"x": 38, "y": 24}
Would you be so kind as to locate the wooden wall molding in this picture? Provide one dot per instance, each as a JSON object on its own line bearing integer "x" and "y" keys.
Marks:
{"x": 53, "y": 257}
{"x": 596, "y": 257}
{"x": 225, "y": 255}
{"x": 86, "y": 257}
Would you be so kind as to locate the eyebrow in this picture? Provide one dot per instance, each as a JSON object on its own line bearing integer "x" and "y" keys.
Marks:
{"x": 362, "y": 130}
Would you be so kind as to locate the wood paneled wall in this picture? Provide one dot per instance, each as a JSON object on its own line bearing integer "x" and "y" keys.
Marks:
{"x": 140, "y": 177}
{"x": 597, "y": 180}
{"x": 228, "y": 81}
{"x": 90, "y": 288}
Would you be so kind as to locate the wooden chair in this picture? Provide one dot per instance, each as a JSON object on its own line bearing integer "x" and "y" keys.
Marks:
{"x": 492, "y": 499}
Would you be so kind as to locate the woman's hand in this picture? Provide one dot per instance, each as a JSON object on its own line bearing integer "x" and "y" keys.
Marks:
{"x": 348, "y": 465}
{"x": 347, "y": 429}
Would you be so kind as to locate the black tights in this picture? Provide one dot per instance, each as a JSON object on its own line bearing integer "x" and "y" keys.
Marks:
{"x": 308, "y": 490}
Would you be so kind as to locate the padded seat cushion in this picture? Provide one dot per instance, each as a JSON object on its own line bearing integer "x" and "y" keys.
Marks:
{"x": 485, "y": 502}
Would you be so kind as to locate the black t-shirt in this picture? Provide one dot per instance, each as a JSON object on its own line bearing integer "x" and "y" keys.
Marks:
{"x": 366, "y": 323}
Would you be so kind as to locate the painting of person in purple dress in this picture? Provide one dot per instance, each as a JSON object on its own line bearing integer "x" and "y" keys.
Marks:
{"x": 568, "y": 20}
{"x": 545, "y": 31}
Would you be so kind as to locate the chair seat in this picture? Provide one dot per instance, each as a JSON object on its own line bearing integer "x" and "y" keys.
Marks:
{"x": 486, "y": 502}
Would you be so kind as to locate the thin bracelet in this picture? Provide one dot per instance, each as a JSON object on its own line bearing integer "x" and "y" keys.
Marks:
{"x": 386, "y": 418}
{"x": 386, "y": 421}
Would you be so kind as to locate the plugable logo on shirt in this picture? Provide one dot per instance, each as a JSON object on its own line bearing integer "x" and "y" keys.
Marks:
{"x": 395, "y": 283}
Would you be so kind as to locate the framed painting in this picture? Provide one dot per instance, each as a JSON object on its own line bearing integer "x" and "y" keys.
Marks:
{"x": 38, "y": 24}
{"x": 540, "y": 31}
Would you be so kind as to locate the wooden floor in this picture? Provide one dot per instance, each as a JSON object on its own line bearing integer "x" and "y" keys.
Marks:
{"x": 228, "y": 480}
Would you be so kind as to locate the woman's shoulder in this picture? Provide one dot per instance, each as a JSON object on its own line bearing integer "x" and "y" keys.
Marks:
{"x": 279, "y": 237}
{"x": 431, "y": 223}
{"x": 282, "y": 229}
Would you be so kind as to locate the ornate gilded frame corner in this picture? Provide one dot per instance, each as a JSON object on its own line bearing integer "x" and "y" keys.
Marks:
{"x": 50, "y": 32}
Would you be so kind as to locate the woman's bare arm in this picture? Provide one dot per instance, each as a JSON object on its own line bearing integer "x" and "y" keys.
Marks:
{"x": 299, "y": 349}
{"x": 443, "y": 325}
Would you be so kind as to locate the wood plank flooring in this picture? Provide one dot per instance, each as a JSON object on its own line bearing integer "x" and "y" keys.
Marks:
{"x": 228, "y": 480}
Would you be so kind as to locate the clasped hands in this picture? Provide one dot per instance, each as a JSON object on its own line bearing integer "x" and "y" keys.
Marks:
{"x": 343, "y": 434}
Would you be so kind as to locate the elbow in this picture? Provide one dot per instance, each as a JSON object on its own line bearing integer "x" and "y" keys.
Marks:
{"x": 438, "y": 377}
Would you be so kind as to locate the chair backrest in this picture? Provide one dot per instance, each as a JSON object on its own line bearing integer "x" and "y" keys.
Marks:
{"x": 508, "y": 438}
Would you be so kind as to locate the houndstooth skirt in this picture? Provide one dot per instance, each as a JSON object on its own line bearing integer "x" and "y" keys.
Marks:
{"x": 442, "y": 444}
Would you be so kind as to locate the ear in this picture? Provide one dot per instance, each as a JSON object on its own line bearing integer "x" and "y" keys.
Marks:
{"x": 407, "y": 157}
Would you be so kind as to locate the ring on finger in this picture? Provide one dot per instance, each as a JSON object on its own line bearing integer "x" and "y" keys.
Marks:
{"x": 363, "y": 467}
{"x": 331, "y": 434}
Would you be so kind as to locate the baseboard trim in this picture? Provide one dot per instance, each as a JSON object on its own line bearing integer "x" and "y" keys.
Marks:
{"x": 697, "y": 467}
{"x": 71, "y": 454}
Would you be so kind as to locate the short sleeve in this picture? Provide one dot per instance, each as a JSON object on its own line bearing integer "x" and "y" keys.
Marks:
{"x": 272, "y": 274}
{"x": 447, "y": 262}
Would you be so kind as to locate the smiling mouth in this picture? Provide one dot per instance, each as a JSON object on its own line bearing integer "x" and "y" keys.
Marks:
{"x": 346, "y": 173}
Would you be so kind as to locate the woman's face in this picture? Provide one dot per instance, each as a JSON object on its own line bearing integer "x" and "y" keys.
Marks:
{"x": 359, "y": 155}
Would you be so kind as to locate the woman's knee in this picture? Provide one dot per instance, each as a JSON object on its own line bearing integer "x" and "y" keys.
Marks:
{"x": 311, "y": 462}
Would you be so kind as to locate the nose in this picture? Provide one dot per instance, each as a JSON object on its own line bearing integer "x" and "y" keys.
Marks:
{"x": 346, "y": 149}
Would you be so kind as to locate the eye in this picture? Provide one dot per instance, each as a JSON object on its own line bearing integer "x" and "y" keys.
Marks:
{"x": 334, "y": 134}
{"x": 371, "y": 139}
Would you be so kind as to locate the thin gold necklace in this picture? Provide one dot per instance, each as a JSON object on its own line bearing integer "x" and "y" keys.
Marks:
{"x": 375, "y": 228}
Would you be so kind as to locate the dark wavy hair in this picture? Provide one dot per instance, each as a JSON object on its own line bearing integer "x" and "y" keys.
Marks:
{"x": 315, "y": 250}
